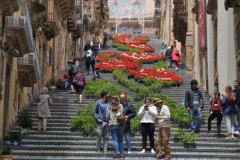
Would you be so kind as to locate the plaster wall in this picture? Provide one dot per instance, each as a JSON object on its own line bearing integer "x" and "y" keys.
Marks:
{"x": 226, "y": 47}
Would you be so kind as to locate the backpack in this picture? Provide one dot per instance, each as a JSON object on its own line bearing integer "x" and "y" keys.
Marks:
{"x": 74, "y": 69}
{"x": 78, "y": 80}
{"x": 216, "y": 106}
{"x": 177, "y": 53}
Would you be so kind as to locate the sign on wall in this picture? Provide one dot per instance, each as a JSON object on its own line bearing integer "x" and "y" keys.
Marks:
{"x": 201, "y": 24}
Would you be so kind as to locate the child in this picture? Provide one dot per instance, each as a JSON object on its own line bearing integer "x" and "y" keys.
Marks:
{"x": 43, "y": 111}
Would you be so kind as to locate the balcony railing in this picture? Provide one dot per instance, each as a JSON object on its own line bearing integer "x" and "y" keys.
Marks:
{"x": 29, "y": 64}
{"x": 8, "y": 7}
{"x": 20, "y": 28}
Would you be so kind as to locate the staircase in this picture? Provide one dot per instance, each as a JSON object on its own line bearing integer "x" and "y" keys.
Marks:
{"x": 58, "y": 142}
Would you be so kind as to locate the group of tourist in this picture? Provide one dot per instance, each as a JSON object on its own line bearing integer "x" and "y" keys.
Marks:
{"x": 114, "y": 114}
{"x": 222, "y": 106}
{"x": 172, "y": 55}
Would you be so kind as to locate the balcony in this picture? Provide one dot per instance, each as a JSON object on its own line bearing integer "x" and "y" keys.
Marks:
{"x": 28, "y": 69}
{"x": 19, "y": 34}
{"x": 8, "y": 7}
{"x": 52, "y": 27}
{"x": 182, "y": 9}
{"x": 71, "y": 24}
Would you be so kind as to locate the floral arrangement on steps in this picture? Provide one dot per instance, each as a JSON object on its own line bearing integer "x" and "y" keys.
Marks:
{"x": 122, "y": 47}
{"x": 120, "y": 36}
{"x": 115, "y": 64}
{"x": 143, "y": 47}
{"x": 106, "y": 55}
{"x": 143, "y": 37}
{"x": 94, "y": 88}
{"x": 129, "y": 41}
{"x": 141, "y": 57}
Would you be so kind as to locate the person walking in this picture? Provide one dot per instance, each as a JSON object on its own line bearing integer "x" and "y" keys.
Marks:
{"x": 176, "y": 57}
{"x": 72, "y": 72}
{"x": 168, "y": 57}
{"x": 114, "y": 112}
{"x": 194, "y": 105}
{"x": 163, "y": 131}
{"x": 147, "y": 114}
{"x": 229, "y": 110}
{"x": 236, "y": 90}
{"x": 215, "y": 112}
{"x": 90, "y": 61}
{"x": 163, "y": 48}
{"x": 79, "y": 83}
{"x": 102, "y": 129}
{"x": 130, "y": 113}
{"x": 43, "y": 111}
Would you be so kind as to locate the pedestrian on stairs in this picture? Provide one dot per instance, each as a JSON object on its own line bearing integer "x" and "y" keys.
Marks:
{"x": 176, "y": 57}
{"x": 163, "y": 130}
{"x": 102, "y": 129}
{"x": 215, "y": 112}
{"x": 130, "y": 113}
{"x": 43, "y": 111}
{"x": 194, "y": 105}
{"x": 147, "y": 114}
{"x": 79, "y": 83}
{"x": 236, "y": 90}
{"x": 114, "y": 112}
{"x": 229, "y": 110}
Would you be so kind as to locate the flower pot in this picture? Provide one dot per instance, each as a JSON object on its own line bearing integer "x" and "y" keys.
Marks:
{"x": 185, "y": 145}
{"x": 6, "y": 157}
{"x": 192, "y": 145}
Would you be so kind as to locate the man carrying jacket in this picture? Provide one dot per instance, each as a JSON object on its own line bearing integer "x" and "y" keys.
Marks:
{"x": 194, "y": 105}
{"x": 130, "y": 113}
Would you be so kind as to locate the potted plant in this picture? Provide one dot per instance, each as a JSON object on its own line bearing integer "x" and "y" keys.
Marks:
{"x": 185, "y": 139}
{"x": 6, "y": 153}
{"x": 192, "y": 139}
{"x": 177, "y": 135}
{"x": 25, "y": 120}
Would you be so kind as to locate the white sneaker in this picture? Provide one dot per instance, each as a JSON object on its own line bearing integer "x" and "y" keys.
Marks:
{"x": 129, "y": 152}
{"x": 236, "y": 132}
{"x": 143, "y": 151}
{"x": 152, "y": 151}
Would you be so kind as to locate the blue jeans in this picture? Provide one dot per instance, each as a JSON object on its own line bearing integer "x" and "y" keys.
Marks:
{"x": 128, "y": 140}
{"x": 117, "y": 137}
{"x": 237, "y": 125}
{"x": 195, "y": 114}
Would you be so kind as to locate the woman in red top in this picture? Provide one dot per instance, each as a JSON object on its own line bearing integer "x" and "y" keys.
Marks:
{"x": 176, "y": 57}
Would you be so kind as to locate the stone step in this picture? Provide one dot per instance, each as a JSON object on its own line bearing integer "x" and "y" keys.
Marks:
{"x": 188, "y": 153}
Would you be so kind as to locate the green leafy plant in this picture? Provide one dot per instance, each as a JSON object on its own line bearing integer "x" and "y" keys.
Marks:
{"x": 193, "y": 137}
{"x": 6, "y": 150}
{"x": 25, "y": 120}
{"x": 185, "y": 138}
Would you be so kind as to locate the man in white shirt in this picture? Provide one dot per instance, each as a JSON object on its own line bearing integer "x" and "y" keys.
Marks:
{"x": 163, "y": 130}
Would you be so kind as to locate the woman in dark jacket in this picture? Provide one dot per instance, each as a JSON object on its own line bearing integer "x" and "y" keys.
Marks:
{"x": 229, "y": 110}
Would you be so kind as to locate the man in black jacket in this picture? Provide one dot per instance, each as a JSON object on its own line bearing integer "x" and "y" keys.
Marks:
{"x": 168, "y": 57}
{"x": 130, "y": 113}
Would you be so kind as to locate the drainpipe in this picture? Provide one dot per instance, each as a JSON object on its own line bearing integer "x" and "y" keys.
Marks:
{"x": 53, "y": 59}
{"x": 206, "y": 51}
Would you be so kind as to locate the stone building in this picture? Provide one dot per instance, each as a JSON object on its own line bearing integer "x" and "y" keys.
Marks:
{"x": 37, "y": 38}
{"x": 131, "y": 16}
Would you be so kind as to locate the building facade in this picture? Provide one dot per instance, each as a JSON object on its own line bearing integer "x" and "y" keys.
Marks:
{"x": 37, "y": 38}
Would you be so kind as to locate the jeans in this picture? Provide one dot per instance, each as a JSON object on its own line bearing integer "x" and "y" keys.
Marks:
{"x": 169, "y": 62}
{"x": 117, "y": 137}
{"x": 230, "y": 120}
{"x": 162, "y": 142}
{"x": 102, "y": 131}
{"x": 147, "y": 129}
{"x": 237, "y": 124}
{"x": 128, "y": 140}
{"x": 195, "y": 113}
{"x": 212, "y": 117}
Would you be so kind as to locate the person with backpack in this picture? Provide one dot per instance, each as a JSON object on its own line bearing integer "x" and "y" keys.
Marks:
{"x": 90, "y": 61}
{"x": 168, "y": 57}
{"x": 79, "y": 83}
{"x": 215, "y": 112}
{"x": 102, "y": 128}
{"x": 176, "y": 57}
{"x": 72, "y": 72}
{"x": 194, "y": 105}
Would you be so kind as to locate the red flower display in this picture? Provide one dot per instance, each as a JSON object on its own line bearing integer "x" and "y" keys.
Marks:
{"x": 154, "y": 74}
{"x": 144, "y": 47}
{"x": 141, "y": 57}
{"x": 129, "y": 41}
{"x": 143, "y": 37}
{"x": 107, "y": 55}
{"x": 120, "y": 35}
{"x": 116, "y": 64}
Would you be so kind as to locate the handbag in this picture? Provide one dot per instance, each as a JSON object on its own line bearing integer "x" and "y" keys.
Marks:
{"x": 121, "y": 119}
